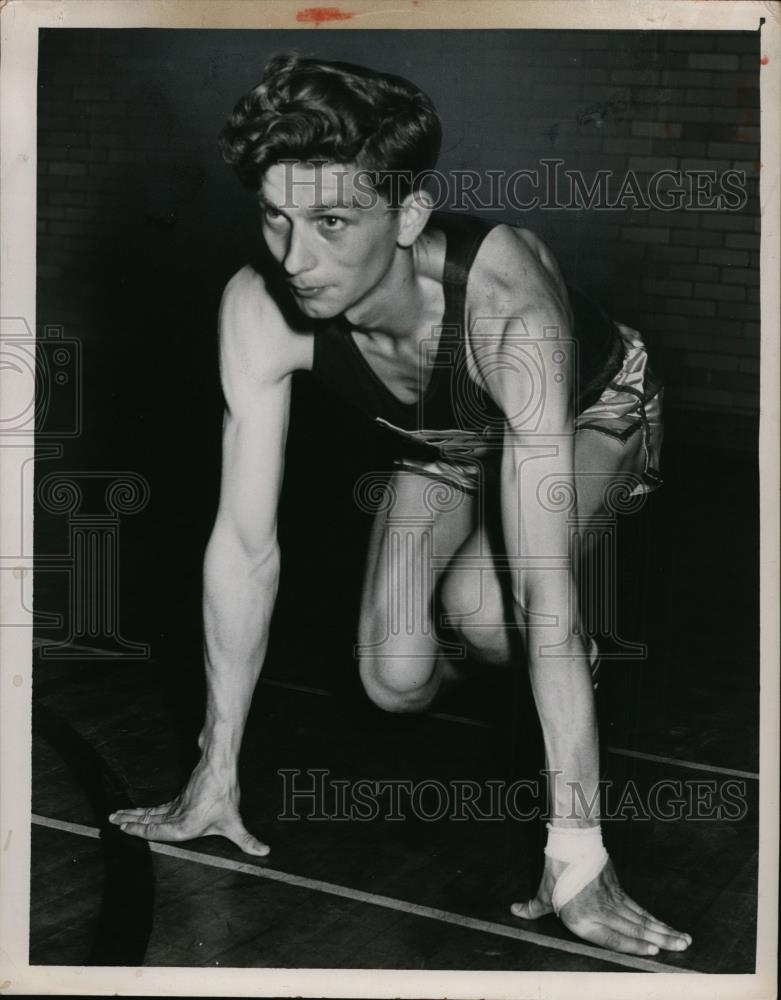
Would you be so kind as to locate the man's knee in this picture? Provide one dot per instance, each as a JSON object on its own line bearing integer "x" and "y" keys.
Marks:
{"x": 488, "y": 643}
{"x": 395, "y": 684}
{"x": 472, "y": 605}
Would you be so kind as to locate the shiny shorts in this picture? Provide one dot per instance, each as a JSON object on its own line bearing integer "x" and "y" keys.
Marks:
{"x": 631, "y": 403}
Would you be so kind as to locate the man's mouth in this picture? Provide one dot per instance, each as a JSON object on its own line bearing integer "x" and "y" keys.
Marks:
{"x": 308, "y": 291}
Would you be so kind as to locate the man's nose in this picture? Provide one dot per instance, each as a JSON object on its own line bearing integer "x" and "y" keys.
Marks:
{"x": 298, "y": 257}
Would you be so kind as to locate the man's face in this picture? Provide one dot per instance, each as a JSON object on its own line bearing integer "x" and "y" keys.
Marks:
{"x": 332, "y": 233}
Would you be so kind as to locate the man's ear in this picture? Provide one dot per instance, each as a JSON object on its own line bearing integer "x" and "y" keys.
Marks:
{"x": 413, "y": 215}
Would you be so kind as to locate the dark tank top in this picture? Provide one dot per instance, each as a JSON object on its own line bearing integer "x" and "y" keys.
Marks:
{"x": 454, "y": 414}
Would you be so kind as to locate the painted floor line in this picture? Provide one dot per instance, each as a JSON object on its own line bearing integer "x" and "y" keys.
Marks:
{"x": 289, "y": 686}
{"x": 618, "y": 751}
{"x": 387, "y": 902}
{"x": 691, "y": 764}
{"x": 480, "y": 723}
{"x": 462, "y": 720}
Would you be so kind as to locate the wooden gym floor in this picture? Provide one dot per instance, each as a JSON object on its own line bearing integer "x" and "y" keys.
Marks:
{"x": 410, "y": 893}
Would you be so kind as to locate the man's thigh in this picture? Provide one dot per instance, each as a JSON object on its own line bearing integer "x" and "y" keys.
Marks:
{"x": 431, "y": 538}
{"x": 600, "y": 459}
{"x": 477, "y": 596}
{"x": 422, "y": 523}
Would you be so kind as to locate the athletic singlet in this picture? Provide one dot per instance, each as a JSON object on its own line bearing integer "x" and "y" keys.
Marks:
{"x": 454, "y": 420}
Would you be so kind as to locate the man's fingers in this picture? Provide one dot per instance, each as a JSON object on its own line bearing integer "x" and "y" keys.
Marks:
{"x": 531, "y": 910}
{"x": 601, "y": 934}
{"x": 616, "y": 941}
{"x": 141, "y": 814}
{"x": 156, "y": 831}
{"x": 652, "y": 921}
{"x": 136, "y": 823}
{"x": 642, "y": 931}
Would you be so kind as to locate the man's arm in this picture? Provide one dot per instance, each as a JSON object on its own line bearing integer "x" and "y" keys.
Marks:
{"x": 537, "y": 499}
{"x": 241, "y": 566}
{"x": 537, "y": 495}
{"x": 527, "y": 358}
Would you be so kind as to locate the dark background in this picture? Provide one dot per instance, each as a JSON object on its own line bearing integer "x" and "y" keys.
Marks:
{"x": 141, "y": 224}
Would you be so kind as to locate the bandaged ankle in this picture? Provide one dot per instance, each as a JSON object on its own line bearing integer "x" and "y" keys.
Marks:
{"x": 583, "y": 853}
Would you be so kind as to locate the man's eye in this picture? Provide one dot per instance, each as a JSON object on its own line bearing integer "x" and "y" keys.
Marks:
{"x": 272, "y": 216}
{"x": 332, "y": 223}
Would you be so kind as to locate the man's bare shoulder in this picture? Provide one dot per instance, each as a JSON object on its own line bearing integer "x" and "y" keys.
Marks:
{"x": 515, "y": 273}
{"x": 516, "y": 291}
{"x": 254, "y": 331}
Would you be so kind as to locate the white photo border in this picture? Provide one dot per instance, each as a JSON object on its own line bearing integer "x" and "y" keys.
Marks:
{"x": 19, "y": 24}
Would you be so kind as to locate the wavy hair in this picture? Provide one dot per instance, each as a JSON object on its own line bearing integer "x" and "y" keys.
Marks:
{"x": 309, "y": 110}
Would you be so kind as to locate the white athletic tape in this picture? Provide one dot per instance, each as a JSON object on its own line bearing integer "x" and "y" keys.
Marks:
{"x": 583, "y": 853}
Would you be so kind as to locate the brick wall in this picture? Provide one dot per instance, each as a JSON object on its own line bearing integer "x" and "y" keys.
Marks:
{"x": 140, "y": 223}
{"x": 688, "y": 279}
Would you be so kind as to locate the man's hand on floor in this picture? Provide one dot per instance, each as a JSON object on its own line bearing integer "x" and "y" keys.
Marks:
{"x": 208, "y": 805}
{"x": 604, "y": 914}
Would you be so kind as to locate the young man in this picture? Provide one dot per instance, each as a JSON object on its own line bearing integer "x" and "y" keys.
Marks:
{"x": 460, "y": 338}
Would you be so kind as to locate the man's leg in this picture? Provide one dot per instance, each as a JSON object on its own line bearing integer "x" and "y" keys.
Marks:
{"x": 402, "y": 663}
{"x": 475, "y": 596}
{"x": 401, "y": 659}
{"x": 599, "y": 459}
